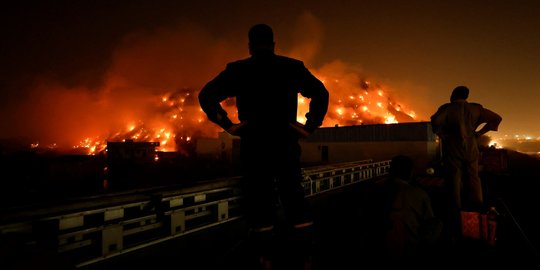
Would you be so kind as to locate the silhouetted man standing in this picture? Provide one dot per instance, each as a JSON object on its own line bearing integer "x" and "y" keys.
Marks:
{"x": 455, "y": 123}
{"x": 266, "y": 88}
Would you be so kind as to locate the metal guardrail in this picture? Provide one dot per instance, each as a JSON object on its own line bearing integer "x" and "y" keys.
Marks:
{"x": 326, "y": 178}
{"x": 94, "y": 229}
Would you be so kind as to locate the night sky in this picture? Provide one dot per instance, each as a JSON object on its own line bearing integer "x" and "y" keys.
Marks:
{"x": 418, "y": 50}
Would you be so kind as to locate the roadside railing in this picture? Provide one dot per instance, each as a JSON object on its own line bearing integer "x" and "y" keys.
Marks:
{"x": 92, "y": 229}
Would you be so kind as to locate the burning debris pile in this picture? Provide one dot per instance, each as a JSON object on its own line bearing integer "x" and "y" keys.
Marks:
{"x": 149, "y": 94}
{"x": 174, "y": 119}
{"x": 183, "y": 120}
{"x": 357, "y": 101}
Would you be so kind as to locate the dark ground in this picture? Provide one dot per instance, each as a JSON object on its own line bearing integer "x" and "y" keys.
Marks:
{"x": 340, "y": 235}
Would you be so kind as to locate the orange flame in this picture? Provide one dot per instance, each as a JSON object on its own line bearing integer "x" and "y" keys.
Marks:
{"x": 358, "y": 104}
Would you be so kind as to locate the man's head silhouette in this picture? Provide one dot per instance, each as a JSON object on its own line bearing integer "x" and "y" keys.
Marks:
{"x": 401, "y": 166}
{"x": 261, "y": 39}
{"x": 460, "y": 92}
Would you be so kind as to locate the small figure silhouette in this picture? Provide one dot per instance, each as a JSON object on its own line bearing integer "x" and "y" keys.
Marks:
{"x": 402, "y": 225}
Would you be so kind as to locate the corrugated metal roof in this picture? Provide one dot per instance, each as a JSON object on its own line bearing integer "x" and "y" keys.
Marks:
{"x": 417, "y": 131}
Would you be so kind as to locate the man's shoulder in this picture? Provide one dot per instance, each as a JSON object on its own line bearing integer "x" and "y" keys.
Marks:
{"x": 445, "y": 105}
{"x": 278, "y": 57}
{"x": 475, "y": 107}
{"x": 239, "y": 63}
{"x": 289, "y": 60}
{"x": 442, "y": 108}
{"x": 473, "y": 104}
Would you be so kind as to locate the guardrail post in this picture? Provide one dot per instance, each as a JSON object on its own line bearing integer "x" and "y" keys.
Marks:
{"x": 112, "y": 239}
{"x": 178, "y": 222}
{"x": 223, "y": 210}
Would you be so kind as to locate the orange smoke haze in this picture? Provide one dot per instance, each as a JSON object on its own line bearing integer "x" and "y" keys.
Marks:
{"x": 149, "y": 93}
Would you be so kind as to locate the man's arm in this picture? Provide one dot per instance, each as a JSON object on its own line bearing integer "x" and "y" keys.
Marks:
{"x": 315, "y": 90}
{"x": 210, "y": 98}
{"x": 491, "y": 119}
{"x": 437, "y": 120}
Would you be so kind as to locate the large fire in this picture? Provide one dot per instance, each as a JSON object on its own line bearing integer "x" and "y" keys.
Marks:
{"x": 149, "y": 93}
{"x": 183, "y": 120}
